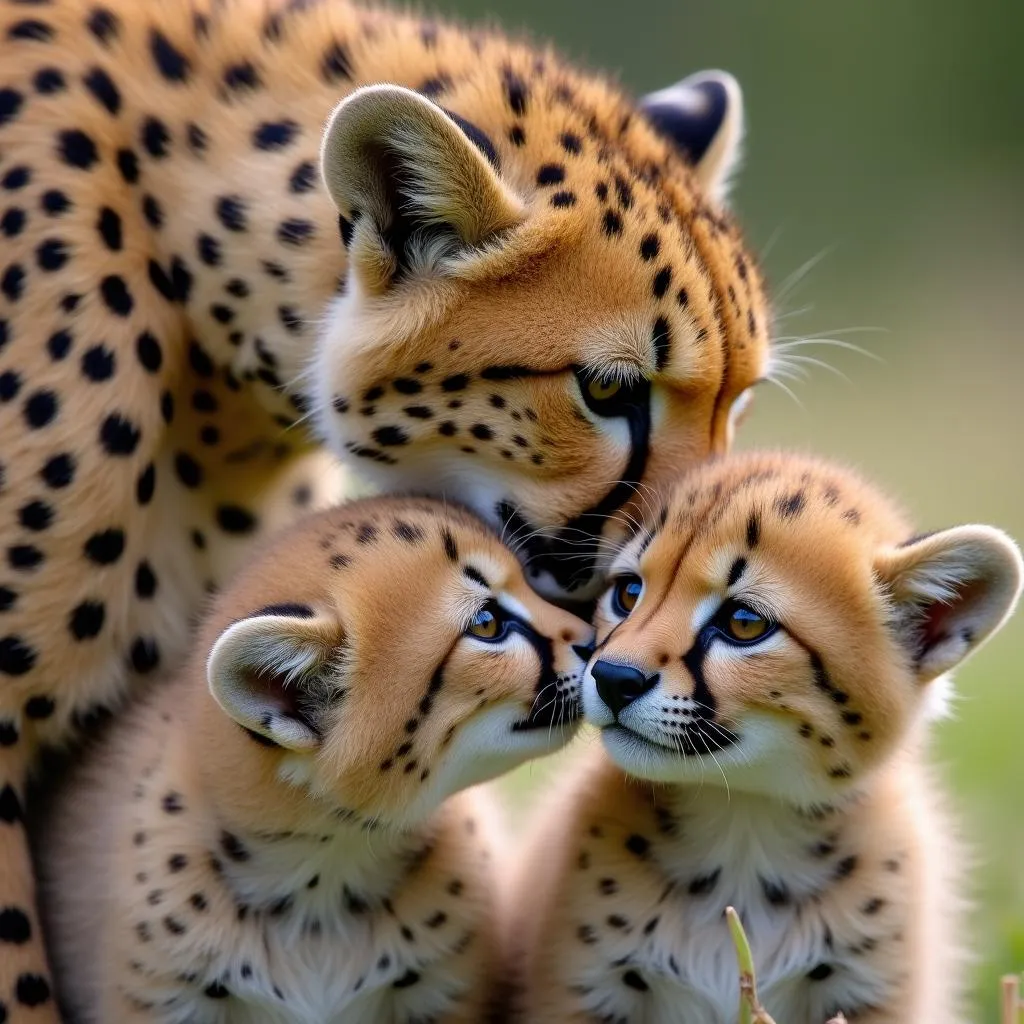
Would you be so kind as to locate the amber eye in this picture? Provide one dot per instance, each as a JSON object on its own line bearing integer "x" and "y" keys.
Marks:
{"x": 626, "y": 593}
{"x": 489, "y": 623}
{"x": 600, "y": 389}
{"x": 745, "y": 625}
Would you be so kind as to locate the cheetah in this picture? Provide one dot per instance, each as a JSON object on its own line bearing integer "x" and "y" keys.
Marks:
{"x": 771, "y": 650}
{"x": 490, "y": 274}
{"x": 285, "y": 832}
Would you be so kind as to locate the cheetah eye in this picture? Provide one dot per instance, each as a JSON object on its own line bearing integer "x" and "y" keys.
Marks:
{"x": 600, "y": 389}
{"x": 625, "y": 593}
{"x": 608, "y": 397}
{"x": 742, "y": 625}
{"x": 490, "y": 623}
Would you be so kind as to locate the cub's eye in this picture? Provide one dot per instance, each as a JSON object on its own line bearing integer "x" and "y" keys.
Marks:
{"x": 744, "y": 625}
{"x": 489, "y": 623}
{"x": 626, "y": 593}
{"x": 600, "y": 389}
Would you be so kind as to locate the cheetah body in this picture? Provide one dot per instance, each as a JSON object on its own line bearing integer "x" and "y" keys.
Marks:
{"x": 785, "y": 777}
{"x": 261, "y": 841}
{"x": 502, "y": 274}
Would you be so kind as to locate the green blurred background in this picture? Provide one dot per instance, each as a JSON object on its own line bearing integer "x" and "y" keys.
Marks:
{"x": 885, "y": 144}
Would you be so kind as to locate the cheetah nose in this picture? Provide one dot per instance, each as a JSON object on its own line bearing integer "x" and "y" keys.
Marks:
{"x": 620, "y": 685}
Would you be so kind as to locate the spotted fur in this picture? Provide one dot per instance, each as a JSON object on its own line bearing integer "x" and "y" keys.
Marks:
{"x": 185, "y": 290}
{"x": 784, "y": 776}
{"x": 275, "y": 835}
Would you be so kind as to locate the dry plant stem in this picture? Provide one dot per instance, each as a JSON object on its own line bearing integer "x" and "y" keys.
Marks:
{"x": 751, "y": 1010}
{"x": 1013, "y": 1010}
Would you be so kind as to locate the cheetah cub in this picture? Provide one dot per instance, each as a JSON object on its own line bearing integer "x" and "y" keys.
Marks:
{"x": 770, "y": 652}
{"x": 270, "y": 837}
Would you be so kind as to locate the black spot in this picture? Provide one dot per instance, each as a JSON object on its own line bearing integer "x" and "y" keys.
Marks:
{"x": 31, "y": 989}
{"x": 703, "y": 884}
{"x": 116, "y": 295}
{"x": 775, "y": 893}
{"x": 235, "y": 519}
{"x": 231, "y": 213}
{"x": 76, "y": 149}
{"x": 571, "y": 143}
{"x": 152, "y": 211}
{"x": 551, "y": 174}
{"x": 36, "y": 515}
{"x": 390, "y": 436}
{"x": 821, "y": 972}
{"x": 295, "y": 231}
{"x": 563, "y": 199}
{"x": 48, "y": 81}
{"x": 106, "y": 547}
{"x": 148, "y": 350}
{"x": 39, "y": 708}
{"x": 10, "y": 105}
{"x": 196, "y": 138}
{"x": 753, "y": 530}
{"x": 145, "y": 485}
{"x": 101, "y": 85}
{"x": 58, "y": 471}
{"x": 336, "y": 63}
{"x": 846, "y": 867}
{"x": 633, "y": 980}
{"x": 791, "y": 506}
{"x": 13, "y": 222}
{"x": 481, "y": 431}
{"x": 243, "y": 75}
{"x": 172, "y": 803}
{"x": 31, "y": 29}
{"x": 271, "y": 135}
{"x": 516, "y": 92}
{"x": 40, "y": 409}
{"x": 233, "y": 848}
{"x": 14, "y": 926}
{"x": 118, "y": 435}
{"x": 450, "y": 548}
{"x": 170, "y": 62}
{"x": 13, "y": 282}
{"x": 16, "y": 178}
{"x": 98, "y": 363}
{"x": 10, "y": 385}
{"x": 52, "y": 254}
{"x": 638, "y": 845}
{"x": 189, "y": 472}
{"x": 24, "y": 556}
{"x": 516, "y": 135}
{"x": 156, "y": 138}
{"x": 8, "y": 733}
{"x": 145, "y": 580}
{"x": 10, "y": 805}
{"x": 54, "y": 202}
{"x": 612, "y": 223}
{"x": 649, "y": 247}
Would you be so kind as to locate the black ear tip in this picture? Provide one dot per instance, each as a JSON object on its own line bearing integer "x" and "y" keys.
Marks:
{"x": 691, "y": 112}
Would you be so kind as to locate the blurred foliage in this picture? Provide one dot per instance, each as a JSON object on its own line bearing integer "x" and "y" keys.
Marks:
{"x": 882, "y": 149}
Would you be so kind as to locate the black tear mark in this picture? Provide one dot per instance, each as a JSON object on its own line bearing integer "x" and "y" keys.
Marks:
{"x": 475, "y": 575}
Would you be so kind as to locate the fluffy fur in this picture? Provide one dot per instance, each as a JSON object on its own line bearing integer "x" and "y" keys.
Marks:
{"x": 270, "y": 837}
{"x": 783, "y": 775}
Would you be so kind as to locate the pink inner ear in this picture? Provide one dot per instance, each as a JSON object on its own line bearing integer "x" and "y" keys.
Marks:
{"x": 941, "y": 618}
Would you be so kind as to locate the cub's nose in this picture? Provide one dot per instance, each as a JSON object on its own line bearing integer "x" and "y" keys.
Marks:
{"x": 620, "y": 685}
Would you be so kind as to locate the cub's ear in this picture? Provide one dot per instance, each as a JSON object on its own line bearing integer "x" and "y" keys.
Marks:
{"x": 413, "y": 184}
{"x": 952, "y": 590}
{"x": 703, "y": 116}
{"x": 278, "y": 674}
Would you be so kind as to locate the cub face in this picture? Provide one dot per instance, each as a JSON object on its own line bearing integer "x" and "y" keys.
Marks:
{"x": 780, "y": 629}
{"x": 517, "y": 316}
{"x": 389, "y": 652}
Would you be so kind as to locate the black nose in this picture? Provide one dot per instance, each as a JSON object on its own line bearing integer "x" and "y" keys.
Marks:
{"x": 620, "y": 685}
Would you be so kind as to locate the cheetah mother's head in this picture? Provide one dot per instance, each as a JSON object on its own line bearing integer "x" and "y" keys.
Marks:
{"x": 545, "y": 323}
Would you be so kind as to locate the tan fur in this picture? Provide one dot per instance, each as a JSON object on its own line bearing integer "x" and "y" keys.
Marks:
{"x": 177, "y": 310}
{"x": 787, "y": 778}
{"x": 196, "y": 873}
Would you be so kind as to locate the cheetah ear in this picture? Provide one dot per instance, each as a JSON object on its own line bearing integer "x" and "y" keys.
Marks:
{"x": 414, "y": 185}
{"x": 277, "y": 674}
{"x": 703, "y": 116}
{"x": 952, "y": 590}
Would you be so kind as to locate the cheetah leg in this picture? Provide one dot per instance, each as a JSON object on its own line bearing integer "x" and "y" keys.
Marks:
{"x": 26, "y": 992}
